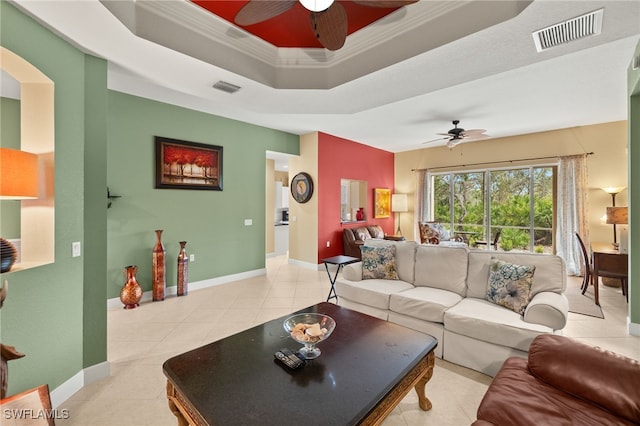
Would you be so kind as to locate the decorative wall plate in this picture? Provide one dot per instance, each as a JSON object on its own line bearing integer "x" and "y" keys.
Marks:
{"x": 302, "y": 187}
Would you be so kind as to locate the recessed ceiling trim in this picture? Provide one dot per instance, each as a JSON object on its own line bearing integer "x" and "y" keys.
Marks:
{"x": 570, "y": 30}
{"x": 636, "y": 62}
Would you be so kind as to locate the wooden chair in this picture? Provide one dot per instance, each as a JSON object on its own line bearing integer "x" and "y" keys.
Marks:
{"x": 493, "y": 243}
{"x": 35, "y": 402}
{"x": 588, "y": 272}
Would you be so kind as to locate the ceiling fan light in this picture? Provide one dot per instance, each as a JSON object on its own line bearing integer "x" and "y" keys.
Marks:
{"x": 316, "y": 5}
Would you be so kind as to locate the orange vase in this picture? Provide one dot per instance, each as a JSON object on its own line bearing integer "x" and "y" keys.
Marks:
{"x": 131, "y": 292}
{"x": 183, "y": 269}
{"x": 158, "y": 269}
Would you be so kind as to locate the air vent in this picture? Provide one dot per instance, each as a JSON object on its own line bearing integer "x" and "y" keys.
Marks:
{"x": 636, "y": 62}
{"x": 569, "y": 30}
{"x": 226, "y": 87}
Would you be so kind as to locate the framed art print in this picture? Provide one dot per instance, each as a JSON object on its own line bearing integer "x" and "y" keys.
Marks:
{"x": 188, "y": 165}
{"x": 382, "y": 202}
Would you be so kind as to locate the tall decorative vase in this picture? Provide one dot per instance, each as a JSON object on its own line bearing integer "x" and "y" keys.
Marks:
{"x": 131, "y": 292}
{"x": 158, "y": 269}
{"x": 183, "y": 270}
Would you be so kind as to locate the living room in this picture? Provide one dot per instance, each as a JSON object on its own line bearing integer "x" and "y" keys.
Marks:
{"x": 57, "y": 314}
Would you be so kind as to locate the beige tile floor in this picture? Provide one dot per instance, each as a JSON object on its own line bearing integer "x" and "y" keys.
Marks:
{"x": 140, "y": 340}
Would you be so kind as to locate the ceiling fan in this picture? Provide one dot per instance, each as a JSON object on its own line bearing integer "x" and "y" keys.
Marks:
{"x": 458, "y": 135}
{"x": 328, "y": 18}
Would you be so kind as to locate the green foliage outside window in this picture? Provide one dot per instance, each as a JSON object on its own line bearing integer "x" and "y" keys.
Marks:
{"x": 508, "y": 208}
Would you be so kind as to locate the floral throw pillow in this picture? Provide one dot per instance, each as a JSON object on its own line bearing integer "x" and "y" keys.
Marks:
{"x": 379, "y": 262}
{"x": 510, "y": 285}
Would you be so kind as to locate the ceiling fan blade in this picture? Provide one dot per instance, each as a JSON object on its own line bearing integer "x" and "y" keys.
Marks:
{"x": 260, "y": 10}
{"x": 477, "y": 137}
{"x": 384, "y": 3}
{"x": 330, "y": 26}
{"x": 436, "y": 140}
{"x": 474, "y": 132}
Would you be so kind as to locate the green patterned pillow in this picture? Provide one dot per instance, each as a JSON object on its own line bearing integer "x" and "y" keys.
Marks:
{"x": 379, "y": 262}
{"x": 510, "y": 285}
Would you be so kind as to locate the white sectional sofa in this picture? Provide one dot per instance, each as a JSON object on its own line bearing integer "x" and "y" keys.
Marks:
{"x": 441, "y": 291}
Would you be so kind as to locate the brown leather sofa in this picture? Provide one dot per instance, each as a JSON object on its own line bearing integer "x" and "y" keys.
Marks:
{"x": 353, "y": 238}
{"x": 563, "y": 382}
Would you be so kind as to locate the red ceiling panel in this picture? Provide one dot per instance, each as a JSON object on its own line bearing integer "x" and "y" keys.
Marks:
{"x": 293, "y": 28}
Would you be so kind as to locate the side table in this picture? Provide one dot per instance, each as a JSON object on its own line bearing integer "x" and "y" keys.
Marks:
{"x": 340, "y": 261}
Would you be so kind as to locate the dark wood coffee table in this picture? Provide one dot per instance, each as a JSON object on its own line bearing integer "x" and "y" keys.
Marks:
{"x": 367, "y": 366}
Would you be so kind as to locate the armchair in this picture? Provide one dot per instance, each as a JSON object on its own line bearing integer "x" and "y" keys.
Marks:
{"x": 354, "y": 238}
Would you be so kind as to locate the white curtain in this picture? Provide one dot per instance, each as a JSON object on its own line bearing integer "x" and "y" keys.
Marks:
{"x": 572, "y": 211}
{"x": 419, "y": 204}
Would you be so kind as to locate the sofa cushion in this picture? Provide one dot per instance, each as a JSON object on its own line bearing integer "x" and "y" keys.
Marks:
{"x": 405, "y": 256}
{"x": 605, "y": 378}
{"x": 516, "y": 397}
{"x": 442, "y": 267}
{"x": 424, "y": 303}
{"x": 373, "y": 293}
{"x": 375, "y": 231}
{"x": 550, "y": 271}
{"x": 509, "y": 284}
{"x": 379, "y": 262}
{"x": 361, "y": 233}
{"x": 483, "y": 320}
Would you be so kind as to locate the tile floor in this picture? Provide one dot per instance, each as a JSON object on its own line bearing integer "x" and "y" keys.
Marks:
{"x": 140, "y": 340}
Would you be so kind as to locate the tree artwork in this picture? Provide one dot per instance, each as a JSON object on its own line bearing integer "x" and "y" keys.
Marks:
{"x": 188, "y": 165}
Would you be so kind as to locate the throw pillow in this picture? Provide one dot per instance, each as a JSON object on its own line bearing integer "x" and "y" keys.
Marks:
{"x": 443, "y": 233}
{"x": 379, "y": 262}
{"x": 510, "y": 285}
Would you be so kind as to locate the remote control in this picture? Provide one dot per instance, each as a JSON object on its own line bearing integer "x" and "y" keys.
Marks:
{"x": 289, "y": 359}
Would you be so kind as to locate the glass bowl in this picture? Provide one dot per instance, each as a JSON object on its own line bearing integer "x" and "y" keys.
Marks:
{"x": 308, "y": 330}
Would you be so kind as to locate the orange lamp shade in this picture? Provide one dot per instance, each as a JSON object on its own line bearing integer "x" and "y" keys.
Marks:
{"x": 617, "y": 215}
{"x": 18, "y": 174}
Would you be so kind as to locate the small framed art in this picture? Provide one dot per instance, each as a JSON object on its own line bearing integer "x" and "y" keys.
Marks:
{"x": 188, "y": 165}
{"x": 382, "y": 202}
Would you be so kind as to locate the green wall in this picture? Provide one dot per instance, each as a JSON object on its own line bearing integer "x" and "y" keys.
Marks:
{"x": 10, "y": 138}
{"x": 44, "y": 314}
{"x": 56, "y": 314}
{"x": 212, "y": 222}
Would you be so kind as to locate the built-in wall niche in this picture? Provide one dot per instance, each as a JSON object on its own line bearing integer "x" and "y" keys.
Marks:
{"x": 353, "y": 200}
{"x": 36, "y": 237}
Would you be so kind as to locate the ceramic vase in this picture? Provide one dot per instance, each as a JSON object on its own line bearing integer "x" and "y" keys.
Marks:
{"x": 158, "y": 269}
{"x": 183, "y": 270}
{"x": 131, "y": 292}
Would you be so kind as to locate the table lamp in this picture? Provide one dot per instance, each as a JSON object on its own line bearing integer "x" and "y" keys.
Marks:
{"x": 18, "y": 181}
{"x": 617, "y": 216}
{"x": 399, "y": 205}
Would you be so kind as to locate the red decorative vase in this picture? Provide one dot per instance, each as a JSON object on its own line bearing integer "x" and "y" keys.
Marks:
{"x": 131, "y": 292}
{"x": 158, "y": 270}
{"x": 183, "y": 269}
{"x": 360, "y": 214}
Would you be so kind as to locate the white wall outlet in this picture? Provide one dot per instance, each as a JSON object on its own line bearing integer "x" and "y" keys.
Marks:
{"x": 328, "y": 243}
{"x": 248, "y": 222}
{"x": 192, "y": 257}
{"x": 294, "y": 218}
{"x": 76, "y": 249}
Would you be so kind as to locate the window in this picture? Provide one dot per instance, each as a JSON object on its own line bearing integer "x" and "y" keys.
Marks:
{"x": 519, "y": 202}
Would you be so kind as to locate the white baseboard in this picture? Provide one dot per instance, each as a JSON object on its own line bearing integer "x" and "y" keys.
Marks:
{"x": 147, "y": 296}
{"x": 306, "y": 265}
{"x": 78, "y": 381}
{"x": 633, "y": 328}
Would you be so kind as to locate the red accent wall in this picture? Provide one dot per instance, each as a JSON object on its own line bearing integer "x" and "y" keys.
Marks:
{"x": 344, "y": 159}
